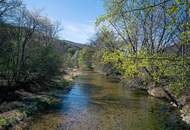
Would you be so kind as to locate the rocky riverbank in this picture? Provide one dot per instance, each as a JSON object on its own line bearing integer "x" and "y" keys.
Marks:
{"x": 29, "y": 103}
{"x": 17, "y": 111}
{"x": 71, "y": 74}
{"x": 183, "y": 102}
{"x": 158, "y": 92}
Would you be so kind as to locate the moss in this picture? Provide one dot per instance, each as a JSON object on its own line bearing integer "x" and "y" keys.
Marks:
{"x": 11, "y": 118}
{"x": 3, "y": 122}
{"x": 32, "y": 106}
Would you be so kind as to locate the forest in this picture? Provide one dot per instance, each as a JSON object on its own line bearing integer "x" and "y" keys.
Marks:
{"x": 144, "y": 44}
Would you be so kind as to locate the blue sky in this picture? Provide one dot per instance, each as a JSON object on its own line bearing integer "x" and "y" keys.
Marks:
{"x": 76, "y": 16}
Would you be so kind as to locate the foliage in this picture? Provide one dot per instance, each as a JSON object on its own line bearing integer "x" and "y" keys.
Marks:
{"x": 157, "y": 67}
{"x": 150, "y": 31}
{"x": 85, "y": 58}
{"x": 46, "y": 62}
{"x": 29, "y": 51}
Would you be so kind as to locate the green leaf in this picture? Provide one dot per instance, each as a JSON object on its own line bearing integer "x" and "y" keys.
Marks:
{"x": 173, "y": 9}
{"x": 177, "y": 1}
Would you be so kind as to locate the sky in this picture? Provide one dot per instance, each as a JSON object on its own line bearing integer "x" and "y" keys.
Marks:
{"x": 77, "y": 17}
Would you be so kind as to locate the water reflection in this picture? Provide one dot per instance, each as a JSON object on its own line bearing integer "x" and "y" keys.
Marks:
{"x": 75, "y": 99}
{"x": 99, "y": 103}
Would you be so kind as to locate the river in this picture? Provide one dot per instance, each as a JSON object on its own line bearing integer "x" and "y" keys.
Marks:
{"x": 96, "y": 102}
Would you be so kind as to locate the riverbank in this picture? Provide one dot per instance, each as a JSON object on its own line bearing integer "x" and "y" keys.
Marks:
{"x": 158, "y": 92}
{"x": 100, "y": 102}
{"x": 182, "y": 103}
{"x": 19, "y": 110}
{"x": 28, "y": 103}
{"x": 71, "y": 74}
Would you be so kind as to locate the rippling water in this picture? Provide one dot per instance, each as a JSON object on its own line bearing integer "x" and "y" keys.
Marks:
{"x": 96, "y": 102}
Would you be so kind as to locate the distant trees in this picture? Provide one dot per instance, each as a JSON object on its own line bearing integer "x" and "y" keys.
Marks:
{"x": 104, "y": 40}
{"x": 85, "y": 58}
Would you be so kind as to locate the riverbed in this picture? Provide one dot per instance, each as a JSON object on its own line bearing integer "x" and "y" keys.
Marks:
{"x": 97, "y": 102}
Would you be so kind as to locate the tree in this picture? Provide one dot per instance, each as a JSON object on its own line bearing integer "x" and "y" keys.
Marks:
{"x": 28, "y": 53}
{"x": 8, "y": 5}
{"x": 149, "y": 29}
{"x": 85, "y": 58}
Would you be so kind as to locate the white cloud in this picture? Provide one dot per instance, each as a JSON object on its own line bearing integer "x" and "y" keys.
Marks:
{"x": 78, "y": 32}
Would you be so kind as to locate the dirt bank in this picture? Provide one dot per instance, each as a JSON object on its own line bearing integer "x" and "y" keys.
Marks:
{"x": 28, "y": 103}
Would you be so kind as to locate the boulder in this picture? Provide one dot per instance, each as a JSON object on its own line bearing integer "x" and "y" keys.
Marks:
{"x": 185, "y": 113}
{"x": 157, "y": 92}
{"x": 184, "y": 100}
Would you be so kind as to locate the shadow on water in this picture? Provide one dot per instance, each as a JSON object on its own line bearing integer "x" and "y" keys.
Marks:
{"x": 96, "y": 102}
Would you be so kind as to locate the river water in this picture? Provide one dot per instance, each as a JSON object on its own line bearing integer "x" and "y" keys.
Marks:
{"x": 96, "y": 102}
